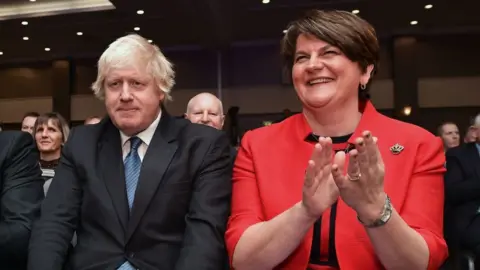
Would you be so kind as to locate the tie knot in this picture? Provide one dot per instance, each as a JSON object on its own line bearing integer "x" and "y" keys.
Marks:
{"x": 135, "y": 143}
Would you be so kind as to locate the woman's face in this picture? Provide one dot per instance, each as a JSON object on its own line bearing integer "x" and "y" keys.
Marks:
{"x": 322, "y": 74}
{"x": 48, "y": 137}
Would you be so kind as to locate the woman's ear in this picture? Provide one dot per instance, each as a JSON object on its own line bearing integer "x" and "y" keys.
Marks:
{"x": 365, "y": 78}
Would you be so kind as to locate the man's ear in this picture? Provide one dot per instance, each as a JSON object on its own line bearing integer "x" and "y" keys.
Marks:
{"x": 223, "y": 119}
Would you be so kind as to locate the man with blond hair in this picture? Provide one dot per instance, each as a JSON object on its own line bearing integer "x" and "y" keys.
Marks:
{"x": 205, "y": 109}
{"x": 142, "y": 189}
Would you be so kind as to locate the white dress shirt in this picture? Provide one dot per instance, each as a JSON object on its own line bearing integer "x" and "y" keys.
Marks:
{"x": 146, "y": 137}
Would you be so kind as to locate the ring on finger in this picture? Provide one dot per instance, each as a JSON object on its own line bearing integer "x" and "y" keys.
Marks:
{"x": 355, "y": 177}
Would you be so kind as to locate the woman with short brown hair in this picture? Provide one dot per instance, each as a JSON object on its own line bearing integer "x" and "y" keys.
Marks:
{"x": 339, "y": 186}
{"x": 354, "y": 37}
{"x": 50, "y": 132}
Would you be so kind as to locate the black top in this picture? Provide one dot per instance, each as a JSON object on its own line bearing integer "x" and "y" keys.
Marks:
{"x": 317, "y": 255}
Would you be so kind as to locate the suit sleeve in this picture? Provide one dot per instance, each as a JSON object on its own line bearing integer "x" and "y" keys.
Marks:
{"x": 458, "y": 188}
{"x": 246, "y": 202}
{"x": 21, "y": 197}
{"x": 54, "y": 230}
{"x": 424, "y": 204}
{"x": 206, "y": 221}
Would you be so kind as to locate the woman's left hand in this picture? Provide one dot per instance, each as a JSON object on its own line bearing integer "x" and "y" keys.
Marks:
{"x": 362, "y": 186}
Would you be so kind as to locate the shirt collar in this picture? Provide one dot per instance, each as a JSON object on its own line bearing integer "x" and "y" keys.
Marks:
{"x": 146, "y": 135}
{"x": 368, "y": 114}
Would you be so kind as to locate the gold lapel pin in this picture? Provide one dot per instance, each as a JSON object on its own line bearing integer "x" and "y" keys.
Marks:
{"x": 396, "y": 149}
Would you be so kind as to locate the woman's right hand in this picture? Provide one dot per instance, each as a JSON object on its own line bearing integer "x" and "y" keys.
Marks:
{"x": 319, "y": 188}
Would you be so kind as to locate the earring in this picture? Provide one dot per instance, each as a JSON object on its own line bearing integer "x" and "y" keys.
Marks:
{"x": 363, "y": 86}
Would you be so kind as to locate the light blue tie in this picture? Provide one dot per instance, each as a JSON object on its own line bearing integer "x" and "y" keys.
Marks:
{"x": 132, "y": 171}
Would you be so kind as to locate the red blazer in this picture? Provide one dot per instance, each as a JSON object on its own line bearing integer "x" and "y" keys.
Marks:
{"x": 268, "y": 178}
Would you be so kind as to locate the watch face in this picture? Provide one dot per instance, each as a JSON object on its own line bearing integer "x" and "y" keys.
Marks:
{"x": 385, "y": 218}
{"x": 386, "y": 214}
{"x": 388, "y": 211}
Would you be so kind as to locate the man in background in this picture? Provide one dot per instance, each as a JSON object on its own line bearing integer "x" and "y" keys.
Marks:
{"x": 21, "y": 193}
{"x": 470, "y": 135}
{"x": 450, "y": 135}
{"x": 462, "y": 196}
{"x": 206, "y": 109}
{"x": 28, "y": 121}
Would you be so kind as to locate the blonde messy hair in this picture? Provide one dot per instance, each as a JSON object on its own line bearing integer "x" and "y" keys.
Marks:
{"x": 129, "y": 49}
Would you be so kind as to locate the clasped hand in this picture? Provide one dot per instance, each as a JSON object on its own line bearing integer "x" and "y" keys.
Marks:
{"x": 360, "y": 187}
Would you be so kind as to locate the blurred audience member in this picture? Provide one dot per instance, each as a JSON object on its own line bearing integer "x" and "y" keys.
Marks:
{"x": 20, "y": 197}
{"x": 28, "y": 121}
{"x": 51, "y": 132}
{"x": 471, "y": 135}
{"x": 206, "y": 109}
{"x": 92, "y": 120}
{"x": 462, "y": 194}
{"x": 450, "y": 135}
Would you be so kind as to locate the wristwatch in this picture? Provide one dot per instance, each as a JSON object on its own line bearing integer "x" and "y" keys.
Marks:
{"x": 384, "y": 217}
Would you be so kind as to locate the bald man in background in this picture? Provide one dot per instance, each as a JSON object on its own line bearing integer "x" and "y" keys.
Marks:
{"x": 206, "y": 109}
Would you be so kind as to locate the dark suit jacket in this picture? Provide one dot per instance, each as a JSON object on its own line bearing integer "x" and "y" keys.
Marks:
{"x": 180, "y": 211}
{"x": 20, "y": 198}
{"x": 462, "y": 187}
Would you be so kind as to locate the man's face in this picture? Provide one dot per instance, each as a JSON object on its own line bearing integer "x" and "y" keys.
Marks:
{"x": 206, "y": 110}
{"x": 450, "y": 136}
{"x": 132, "y": 98}
{"x": 471, "y": 135}
{"x": 28, "y": 123}
{"x": 476, "y": 129}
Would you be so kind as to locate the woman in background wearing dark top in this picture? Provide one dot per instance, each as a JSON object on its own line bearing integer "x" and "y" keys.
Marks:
{"x": 318, "y": 190}
{"x": 51, "y": 132}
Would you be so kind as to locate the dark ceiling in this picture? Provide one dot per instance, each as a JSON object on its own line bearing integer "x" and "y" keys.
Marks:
{"x": 181, "y": 24}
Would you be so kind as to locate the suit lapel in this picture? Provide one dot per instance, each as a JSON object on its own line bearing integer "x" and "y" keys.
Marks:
{"x": 155, "y": 163}
{"x": 111, "y": 167}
